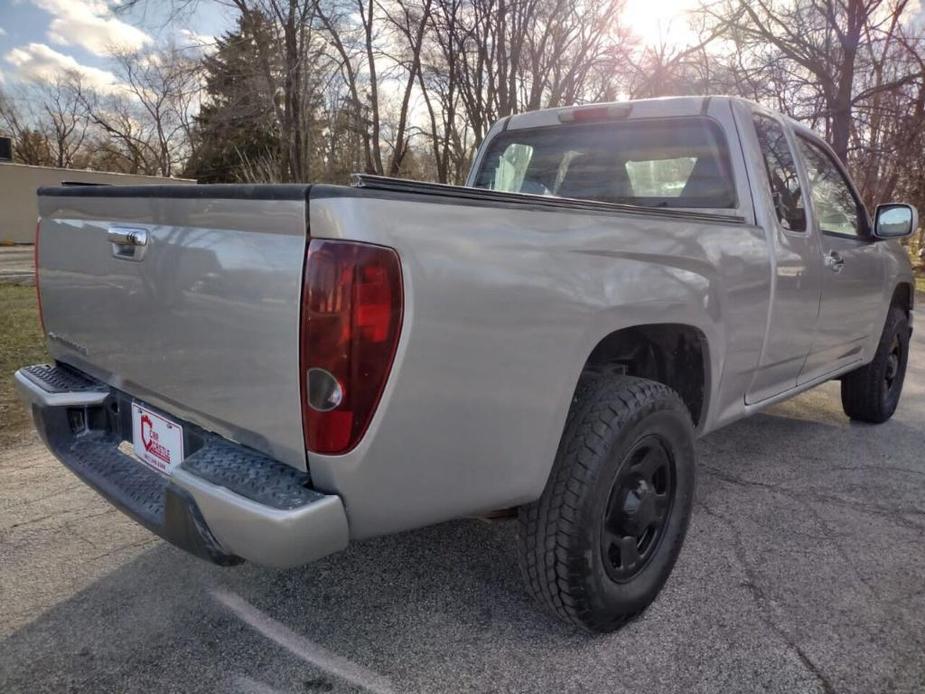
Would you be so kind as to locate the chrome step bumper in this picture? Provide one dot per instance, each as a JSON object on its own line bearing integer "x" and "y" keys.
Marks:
{"x": 224, "y": 503}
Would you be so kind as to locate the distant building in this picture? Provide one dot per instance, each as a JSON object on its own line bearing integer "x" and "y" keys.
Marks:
{"x": 18, "y": 183}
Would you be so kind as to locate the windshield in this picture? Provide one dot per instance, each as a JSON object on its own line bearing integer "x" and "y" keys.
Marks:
{"x": 678, "y": 162}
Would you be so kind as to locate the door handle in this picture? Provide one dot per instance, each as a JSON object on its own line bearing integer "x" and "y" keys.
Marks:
{"x": 834, "y": 261}
{"x": 128, "y": 237}
{"x": 128, "y": 243}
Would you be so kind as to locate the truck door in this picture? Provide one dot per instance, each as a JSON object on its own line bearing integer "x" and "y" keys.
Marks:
{"x": 852, "y": 269}
{"x": 794, "y": 251}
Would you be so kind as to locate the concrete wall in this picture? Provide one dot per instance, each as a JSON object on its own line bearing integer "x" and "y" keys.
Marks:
{"x": 18, "y": 183}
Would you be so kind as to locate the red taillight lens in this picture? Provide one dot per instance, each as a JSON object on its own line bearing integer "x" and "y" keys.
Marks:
{"x": 351, "y": 318}
{"x": 35, "y": 270}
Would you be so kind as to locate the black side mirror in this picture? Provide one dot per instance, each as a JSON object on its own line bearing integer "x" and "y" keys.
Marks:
{"x": 894, "y": 220}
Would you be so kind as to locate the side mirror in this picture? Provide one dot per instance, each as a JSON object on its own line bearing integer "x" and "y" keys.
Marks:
{"x": 894, "y": 220}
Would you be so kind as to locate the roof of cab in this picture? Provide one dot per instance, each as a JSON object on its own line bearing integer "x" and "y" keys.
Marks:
{"x": 640, "y": 108}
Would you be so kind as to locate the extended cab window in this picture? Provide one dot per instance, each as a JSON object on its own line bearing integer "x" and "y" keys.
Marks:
{"x": 837, "y": 210}
{"x": 782, "y": 173}
{"x": 679, "y": 162}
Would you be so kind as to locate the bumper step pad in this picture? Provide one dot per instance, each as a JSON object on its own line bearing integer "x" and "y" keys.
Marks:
{"x": 60, "y": 379}
{"x": 251, "y": 475}
{"x": 85, "y": 424}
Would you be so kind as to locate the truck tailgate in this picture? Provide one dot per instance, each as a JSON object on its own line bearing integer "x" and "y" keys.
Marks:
{"x": 202, "y": 321}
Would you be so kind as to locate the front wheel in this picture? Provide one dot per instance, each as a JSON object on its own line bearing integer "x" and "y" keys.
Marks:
{"x": 602, "y": 539}
{"x": 871, "y": 393}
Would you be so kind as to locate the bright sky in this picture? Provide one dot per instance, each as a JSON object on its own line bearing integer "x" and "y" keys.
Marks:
{"x": 660, "y": 21}
{"x": 41, "y": 38}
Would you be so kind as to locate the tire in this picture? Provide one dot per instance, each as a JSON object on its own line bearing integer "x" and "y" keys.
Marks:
{"x": 871, "y": 393}
{"x": 576, "y": 541}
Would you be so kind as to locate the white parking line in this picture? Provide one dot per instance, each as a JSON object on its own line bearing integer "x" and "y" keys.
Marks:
{"x": 303, "y": 648}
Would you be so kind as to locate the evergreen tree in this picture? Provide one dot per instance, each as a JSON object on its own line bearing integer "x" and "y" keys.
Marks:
{"x": 236, "y": 129}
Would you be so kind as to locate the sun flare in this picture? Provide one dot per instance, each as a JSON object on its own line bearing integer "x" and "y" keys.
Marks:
{"x": 659, "y": 21}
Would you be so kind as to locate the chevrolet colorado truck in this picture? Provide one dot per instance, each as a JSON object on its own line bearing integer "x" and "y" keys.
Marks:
{"x": 268, "y": 372}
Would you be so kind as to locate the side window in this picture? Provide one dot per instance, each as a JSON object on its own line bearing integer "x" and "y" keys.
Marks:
{"x": 782, "y": 173}
{"x": 833, "y": 202}
{"x": 512, "y": 166}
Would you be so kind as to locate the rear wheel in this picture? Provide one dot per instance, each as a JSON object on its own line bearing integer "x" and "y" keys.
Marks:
{"x": 600, "y": 542}
{"x": 871, "y": 393}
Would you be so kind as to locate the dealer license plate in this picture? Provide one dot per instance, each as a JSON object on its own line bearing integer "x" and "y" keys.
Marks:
{"x": 158, "y": 442}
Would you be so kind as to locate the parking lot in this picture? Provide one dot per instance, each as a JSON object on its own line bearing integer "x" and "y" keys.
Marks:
{"x": 804, "y": 571}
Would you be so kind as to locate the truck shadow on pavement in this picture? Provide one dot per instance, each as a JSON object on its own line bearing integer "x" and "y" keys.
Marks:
{"x": 802, "y": 572}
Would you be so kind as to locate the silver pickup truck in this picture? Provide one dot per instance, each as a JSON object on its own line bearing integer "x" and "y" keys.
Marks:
{"x": 266, "y": 373}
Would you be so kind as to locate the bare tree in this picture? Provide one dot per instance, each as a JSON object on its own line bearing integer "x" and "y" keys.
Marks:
{"x": 67, "y": 124}
{"x": 147, "y": 118}
{"x": 411, "y": 21}
{"x": 410, "y": 87}
{"x": 355, "y": 51}
{"x": 823, "y": 45}
{"x": 51, "y": 127}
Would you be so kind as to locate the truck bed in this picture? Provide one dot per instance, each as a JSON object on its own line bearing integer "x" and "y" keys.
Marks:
{"x": 500, "y": 288}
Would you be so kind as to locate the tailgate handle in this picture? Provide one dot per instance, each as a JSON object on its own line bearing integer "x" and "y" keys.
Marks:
{"x": 129, "y": 237}
{"x": 127, "y": 243}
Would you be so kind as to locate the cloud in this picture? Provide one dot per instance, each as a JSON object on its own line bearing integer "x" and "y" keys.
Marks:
{"x": 195, "y": 39}
{"x": 205, "y": 43}
{"x": 91, "y": 25}
{"x": 37, "y": 62}
{"x": 2, "y": 31}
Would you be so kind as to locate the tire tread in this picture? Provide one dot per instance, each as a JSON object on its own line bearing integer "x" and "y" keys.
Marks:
{"x": 605, "y": 401}
{"x": 860, "y": 389}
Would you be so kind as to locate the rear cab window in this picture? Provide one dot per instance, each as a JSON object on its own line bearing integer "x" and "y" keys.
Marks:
{"x": 659, "y": 162}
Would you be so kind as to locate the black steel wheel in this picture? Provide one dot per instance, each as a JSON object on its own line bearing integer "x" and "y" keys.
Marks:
{"x": 602, "y": 539}
{"x": 893, "y": 361}
{"x": 638, "y": 509}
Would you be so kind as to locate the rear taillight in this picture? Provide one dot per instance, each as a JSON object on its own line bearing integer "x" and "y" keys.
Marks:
{"x": 351, "y": 318}
{"x": 35, "y": 270}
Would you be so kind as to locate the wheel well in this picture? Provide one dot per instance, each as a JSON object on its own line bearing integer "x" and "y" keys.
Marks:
{"x": 903, "y": 296}
{"x": 670, "y": 353}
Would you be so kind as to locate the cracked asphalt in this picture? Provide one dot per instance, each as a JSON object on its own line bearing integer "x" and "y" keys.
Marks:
{"x": 803, "y": 571}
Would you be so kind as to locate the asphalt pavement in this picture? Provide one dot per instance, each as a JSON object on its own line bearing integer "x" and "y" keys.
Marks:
{"x": 803, "y": 571}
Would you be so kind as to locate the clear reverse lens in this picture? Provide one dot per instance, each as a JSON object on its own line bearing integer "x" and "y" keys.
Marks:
{"x": 324, "y": 392}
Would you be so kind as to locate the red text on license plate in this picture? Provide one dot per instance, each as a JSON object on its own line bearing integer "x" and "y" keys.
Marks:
{"x": 157, "y": 441}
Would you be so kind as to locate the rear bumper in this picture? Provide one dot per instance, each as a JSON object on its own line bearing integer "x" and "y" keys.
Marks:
{"x": 225, "y": 503}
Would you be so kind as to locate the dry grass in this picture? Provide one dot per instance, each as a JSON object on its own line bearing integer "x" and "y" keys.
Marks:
{"x": 21, "y": 343}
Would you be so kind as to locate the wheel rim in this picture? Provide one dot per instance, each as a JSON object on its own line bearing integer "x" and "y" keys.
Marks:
{"x": 893, "y": 362}
{"x": 638, "y": 509}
